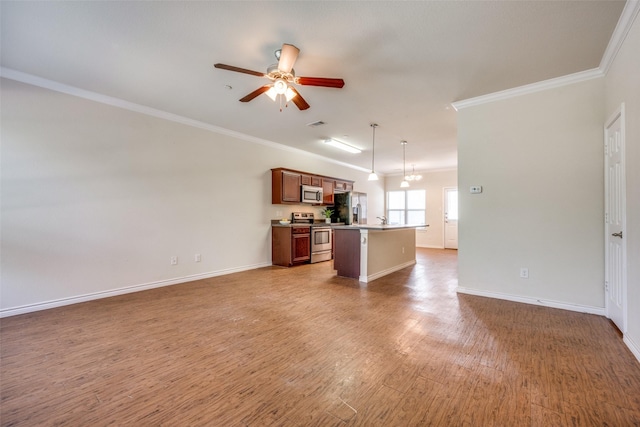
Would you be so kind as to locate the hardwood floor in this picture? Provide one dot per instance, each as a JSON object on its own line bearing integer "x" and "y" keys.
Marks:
{"x": 302, "y": 347}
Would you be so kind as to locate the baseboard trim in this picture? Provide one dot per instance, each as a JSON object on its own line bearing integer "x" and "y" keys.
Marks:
{"x": 374, "y": 276}
{"x": 430, "y": 246}
{"x": 534, "y": 301}
{"x": 635, "y": 349}
{"x": 14, "y": 311}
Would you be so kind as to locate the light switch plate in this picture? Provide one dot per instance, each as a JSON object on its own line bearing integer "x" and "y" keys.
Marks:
{"x": 476, "y": 189}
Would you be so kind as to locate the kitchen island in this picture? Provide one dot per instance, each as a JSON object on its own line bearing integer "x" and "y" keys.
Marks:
{"x": 367, "y": 252}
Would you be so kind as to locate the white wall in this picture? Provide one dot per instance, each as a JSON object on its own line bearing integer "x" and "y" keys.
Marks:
{"x": 622, "y": 84}
{"x": 96, "y": 199}
{"x": 434, "y": 183}
{"x": 539, "y": 159}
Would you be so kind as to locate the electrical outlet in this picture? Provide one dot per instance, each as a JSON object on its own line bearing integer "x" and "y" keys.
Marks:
{"x": 524, "y": 273}
{"x": 198, "y": 258}
{"x": 174, "y": 260}
{"x": 403, "y": 249}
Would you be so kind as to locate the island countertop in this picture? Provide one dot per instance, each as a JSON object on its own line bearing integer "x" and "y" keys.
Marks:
{"x": 367, "y": 252}
{"x": 379, "y": 226}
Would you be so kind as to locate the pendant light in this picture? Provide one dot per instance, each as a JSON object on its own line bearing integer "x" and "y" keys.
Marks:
{"x": 373, "y": 176}
{"x": 413, "y": 176}
{"x": 404, "y": 183}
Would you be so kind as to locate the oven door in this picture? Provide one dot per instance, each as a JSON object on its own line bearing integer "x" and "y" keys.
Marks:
{"x": 320, "y": 239}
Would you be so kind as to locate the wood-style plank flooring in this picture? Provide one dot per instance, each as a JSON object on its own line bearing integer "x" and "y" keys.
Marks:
{"x": 301, "y": 347}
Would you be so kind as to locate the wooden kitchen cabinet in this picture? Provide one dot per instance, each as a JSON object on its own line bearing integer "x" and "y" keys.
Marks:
{"x": 285, "y": 186}
{"x": 346, "y": 253}
{"x": 300, "y": 247}
{"x": 286, "y": 183}
{"x": 343, "y": 185}
{"x": 327, "y": 192}
{"x": 290, "y": 245}
{"x": 312, "y": 180}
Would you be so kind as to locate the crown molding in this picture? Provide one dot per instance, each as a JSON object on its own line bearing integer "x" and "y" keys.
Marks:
{"x": 581, "y": 76}
{"x": 21, "y": 77}
{"x": 627, "y": 17}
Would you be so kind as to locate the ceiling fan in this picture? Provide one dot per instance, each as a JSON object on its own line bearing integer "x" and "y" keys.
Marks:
{"x": 283, "y": 77}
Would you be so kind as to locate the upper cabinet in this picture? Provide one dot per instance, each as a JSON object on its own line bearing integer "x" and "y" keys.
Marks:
{"x": 327, "y": 191}
{"x": 343, "y": 185}
{"x": 285, "y": 186}
{"x": 313, "y": 180}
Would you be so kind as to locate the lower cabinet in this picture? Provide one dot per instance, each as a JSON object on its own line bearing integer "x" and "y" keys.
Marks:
{"x": 290, "y": 245}
{"x": 346, "y": 255}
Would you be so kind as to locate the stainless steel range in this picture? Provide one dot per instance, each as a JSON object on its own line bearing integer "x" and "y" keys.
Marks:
{"x": 320, "y": 236}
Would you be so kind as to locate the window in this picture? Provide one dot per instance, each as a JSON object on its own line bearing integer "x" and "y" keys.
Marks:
{"x": 406, "y": 207}
{"x": 452, "y": 204}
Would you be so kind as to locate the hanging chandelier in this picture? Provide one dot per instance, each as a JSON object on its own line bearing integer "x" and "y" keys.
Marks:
{"x": 413, "y": 176}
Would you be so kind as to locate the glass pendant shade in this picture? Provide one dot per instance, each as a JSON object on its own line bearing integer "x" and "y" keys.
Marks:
{"x": 271, "y": 93}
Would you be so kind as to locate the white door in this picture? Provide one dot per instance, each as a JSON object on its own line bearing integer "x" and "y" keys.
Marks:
{"x": 615, "y": 230}
{"x": 451, "y": 218}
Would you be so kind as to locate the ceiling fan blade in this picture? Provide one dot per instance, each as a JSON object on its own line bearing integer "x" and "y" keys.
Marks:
{"x": 320, "y": 81}
{"x": 288, "y": 55}
{"x": 255, "y": 93}
{"x": 238, "y": 69}
{"x": 299, "y": 100}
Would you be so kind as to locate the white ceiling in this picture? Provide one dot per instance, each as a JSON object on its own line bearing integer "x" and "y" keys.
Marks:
{"x": 403, "y": 62}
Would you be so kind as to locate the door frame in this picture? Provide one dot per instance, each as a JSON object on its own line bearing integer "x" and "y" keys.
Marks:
{"x": 618, "y": 114}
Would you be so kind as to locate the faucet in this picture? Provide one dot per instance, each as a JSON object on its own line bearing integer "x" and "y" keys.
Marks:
{"x": 383, "y": 219}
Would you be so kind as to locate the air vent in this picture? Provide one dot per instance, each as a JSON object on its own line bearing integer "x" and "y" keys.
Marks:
{"x": 316, "y": 124}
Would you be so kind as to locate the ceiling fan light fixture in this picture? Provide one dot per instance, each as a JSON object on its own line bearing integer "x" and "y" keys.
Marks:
{"x": 289, "y": 94}
{"x": 280, "y": 86}
{"x": 341, "y": 145}
{"x": 271, "y": 93}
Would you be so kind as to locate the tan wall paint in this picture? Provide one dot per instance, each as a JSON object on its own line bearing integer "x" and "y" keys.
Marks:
{"x": 539, "y": 159}
{"x": 96, "y": 198}
{"x": 390, "y": 248}
{"x": 622, "y": 84}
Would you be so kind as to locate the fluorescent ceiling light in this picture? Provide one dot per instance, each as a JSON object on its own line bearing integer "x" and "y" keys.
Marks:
{"x": 342, "y": 146}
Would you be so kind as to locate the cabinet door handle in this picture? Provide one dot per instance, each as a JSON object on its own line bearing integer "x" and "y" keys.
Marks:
{"x": 617, "y": 234}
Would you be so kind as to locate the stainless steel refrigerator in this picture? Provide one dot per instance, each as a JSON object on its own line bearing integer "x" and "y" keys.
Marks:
{"x": 350, "y": 208}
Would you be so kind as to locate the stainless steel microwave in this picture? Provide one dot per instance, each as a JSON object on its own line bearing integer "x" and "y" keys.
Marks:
{"x": 311, "y": 194}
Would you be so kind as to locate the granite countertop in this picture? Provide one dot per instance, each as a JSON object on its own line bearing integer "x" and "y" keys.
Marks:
{"x": 380, "y": 226}
{"x": 276, "y": 223}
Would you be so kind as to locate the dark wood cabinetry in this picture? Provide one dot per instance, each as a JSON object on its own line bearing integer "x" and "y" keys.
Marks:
{"x": 290, "y": 245}
{"x": 327, "y": 191}
{"x": 343, "y": 185}
{"x": 285, "y": 186}
{"x": 346, "y": 253}
{"x": 313, "y": 180}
